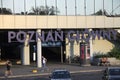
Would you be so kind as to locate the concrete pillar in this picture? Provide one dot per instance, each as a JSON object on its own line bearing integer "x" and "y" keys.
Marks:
{"x": 91, "y": 48}
{"x": 67, "y": 48}
{"x": 69, "y": 54}
{"x": 26, "y": 52}
{"x": 71, "y": 49}
{"x": 39, "y": 51}
{"x": 86, "y": 51}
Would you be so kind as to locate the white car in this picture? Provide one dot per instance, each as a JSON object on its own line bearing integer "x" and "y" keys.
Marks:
{"x": 60, "y": 75}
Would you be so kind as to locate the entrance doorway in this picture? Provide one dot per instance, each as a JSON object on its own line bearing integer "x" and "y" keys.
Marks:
{"x": 53, "y": 51}
{"x": 9, "y": 51}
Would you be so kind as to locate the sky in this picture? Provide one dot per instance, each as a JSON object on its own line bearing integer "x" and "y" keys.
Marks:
{"x": 61, "y": 5}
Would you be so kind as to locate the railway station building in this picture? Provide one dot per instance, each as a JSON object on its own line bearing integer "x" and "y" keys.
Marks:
{"x": 57, "y": 29}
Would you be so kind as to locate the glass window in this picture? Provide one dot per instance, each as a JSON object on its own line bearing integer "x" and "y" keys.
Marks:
{"x": 114, "y": 71}
{"x": 0, "y": 6}
{"x": 61, "y": 75}
{"x": 108, "y": 7}
{"x": 61, "y": 7}
{"x": 8, "y": 7}
{"x": 80, "y": 7}
{"x": 19, "y": 7}
{"x": 51, "y": 7}
{"x": 116, "y": 7}
{"x": 40, "y": 3}
{"x": 30, "y": 6}
{"x": 70, "y": 7}
{"x": 77, "y": 7}
{"x": 98, "y": 7}
{"x": 89, "y": 7}
{"x": 40, "y": 6}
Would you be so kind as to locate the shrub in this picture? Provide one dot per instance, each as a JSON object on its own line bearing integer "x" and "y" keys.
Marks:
{"x": 75, "y": 59}
{"x": 115, "y": 52}
{"x": 100, "y": 55}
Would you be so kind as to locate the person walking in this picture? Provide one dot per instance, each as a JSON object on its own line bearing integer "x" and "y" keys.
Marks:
{"x": 8, "y": 68}
{"x": 44, "y": 61}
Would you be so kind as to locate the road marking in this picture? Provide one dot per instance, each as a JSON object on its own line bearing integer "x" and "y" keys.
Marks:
{"x": 85, "y": 71}
{"x": 30, "y": 75}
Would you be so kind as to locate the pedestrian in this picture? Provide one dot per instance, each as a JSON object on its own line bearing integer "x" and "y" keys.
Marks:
{"x": 44, "y": 61}
{"x": 8, "y": 68}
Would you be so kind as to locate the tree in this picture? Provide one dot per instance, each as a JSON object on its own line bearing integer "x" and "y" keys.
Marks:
{"x": 42, "y": 10}
{"x": 100, "y": 12}
{"x": 5, "y": 11}
{"x": 115, "y": 52}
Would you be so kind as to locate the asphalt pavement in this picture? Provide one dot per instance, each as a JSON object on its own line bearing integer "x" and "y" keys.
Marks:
{"x": 32, "y": 70}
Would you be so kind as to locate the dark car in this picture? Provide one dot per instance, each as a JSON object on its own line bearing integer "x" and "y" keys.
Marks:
{"x": 60, "y": 75}
{"x": 111, "y": 73}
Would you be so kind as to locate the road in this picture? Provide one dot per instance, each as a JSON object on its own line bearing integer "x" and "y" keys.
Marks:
{"x": 93, "y": 75}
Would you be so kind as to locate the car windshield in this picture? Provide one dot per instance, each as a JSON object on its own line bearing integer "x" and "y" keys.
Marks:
{"x": 61, "y": 75}
{"x": 114, "y": 71}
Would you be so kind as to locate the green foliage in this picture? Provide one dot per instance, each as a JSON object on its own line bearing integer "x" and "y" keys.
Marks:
{"x": 115, "y": 52}
{"x": 44, "y": 10}
{"x": 100, "y": 55}
{"x": 5, "y": 11}
{"x": 100, "y": 12}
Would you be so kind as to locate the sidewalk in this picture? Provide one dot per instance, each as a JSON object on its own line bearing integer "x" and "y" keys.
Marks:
{"x": 26, "y": 71}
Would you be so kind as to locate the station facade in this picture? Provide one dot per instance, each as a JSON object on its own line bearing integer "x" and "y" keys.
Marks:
{"x": 61, "y": 17}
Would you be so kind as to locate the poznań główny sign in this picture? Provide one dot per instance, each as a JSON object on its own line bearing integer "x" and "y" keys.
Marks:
{"x": 53, "y": 36}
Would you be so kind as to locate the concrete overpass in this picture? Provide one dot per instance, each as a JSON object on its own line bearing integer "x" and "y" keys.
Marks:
{"x": 19, "y": 22}
{"x": 54, "y": 22}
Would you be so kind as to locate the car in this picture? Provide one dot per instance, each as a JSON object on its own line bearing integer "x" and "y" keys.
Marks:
{"x": 100, "y": 62}
{"x": 60, "y": 74}
{"x": 111, "y": 73}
